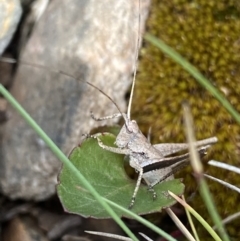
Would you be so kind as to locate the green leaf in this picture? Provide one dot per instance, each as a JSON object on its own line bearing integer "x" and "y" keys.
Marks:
{"x": 105, "y": 171}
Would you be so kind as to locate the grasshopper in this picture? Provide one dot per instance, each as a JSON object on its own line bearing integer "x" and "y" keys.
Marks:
{"x": 150, "y": 161}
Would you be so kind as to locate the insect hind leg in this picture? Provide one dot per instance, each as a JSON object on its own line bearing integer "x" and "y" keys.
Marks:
{"x": 174, "y": 170}
{"x": 105, "y": 117}
{"x": 154, "y": 194}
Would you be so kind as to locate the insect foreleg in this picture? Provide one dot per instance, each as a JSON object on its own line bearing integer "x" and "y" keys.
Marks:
{"x": 110, "y": 148}
{"x": 106, "y": 117}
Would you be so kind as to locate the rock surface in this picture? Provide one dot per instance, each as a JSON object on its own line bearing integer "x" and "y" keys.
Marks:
{"x": 23, "y": 228}
{"x": 10, "y": 13}
{"x": 89, "y": 40}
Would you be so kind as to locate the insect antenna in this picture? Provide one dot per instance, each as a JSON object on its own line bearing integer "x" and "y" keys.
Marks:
{"x": 136, "y": 60}
{"x": 108, "y": 98}
{"x": 138, "y": 41}
{"x": 14, "y": 61}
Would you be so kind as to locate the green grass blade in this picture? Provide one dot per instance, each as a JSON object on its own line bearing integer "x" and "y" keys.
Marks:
{"x": 198, "y": 217}
{"x": 198, "y": 171}
{"x": 189, "y": 217}
{"x": 64, "y": 159}
{"x": 142, "y": 220}
{"x": 208, "y": 199}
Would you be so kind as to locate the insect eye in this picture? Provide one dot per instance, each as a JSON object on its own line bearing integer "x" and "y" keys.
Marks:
{"x": 128, "y": 128}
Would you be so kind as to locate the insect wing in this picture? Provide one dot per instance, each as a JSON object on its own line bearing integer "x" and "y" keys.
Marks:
{"x": 171, "y": 161}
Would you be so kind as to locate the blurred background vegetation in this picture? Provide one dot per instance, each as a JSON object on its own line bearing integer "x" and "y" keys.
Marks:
{"x": 207, "y": 34}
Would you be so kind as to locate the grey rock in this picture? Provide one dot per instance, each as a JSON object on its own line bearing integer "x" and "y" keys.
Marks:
{"x": 10, "y": 13}
{"x": 23, "y": 228}
{"x": 26, "y": 3}
{"x": 91, "y": 40}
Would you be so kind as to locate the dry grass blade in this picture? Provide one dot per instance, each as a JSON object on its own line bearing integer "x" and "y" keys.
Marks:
{"x": 191, "y": 222}
{"x": 224, "y": 166}
{"x": 197, "y": 216}
{"x": 198, "y": 170}
{"x": 145, "y": 236}
{"x": 109, "y": 235}
{"x": 194, "y": 156}
{"x": 180, "y": 225}
{"x": 226, "y": 184}
{"x": 229, "y": 219}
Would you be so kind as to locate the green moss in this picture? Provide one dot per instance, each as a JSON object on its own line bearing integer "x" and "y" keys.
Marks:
{"x": 206, "y": 32}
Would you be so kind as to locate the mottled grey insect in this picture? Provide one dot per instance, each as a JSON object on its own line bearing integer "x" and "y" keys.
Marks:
{"x": 150, "y": 161}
